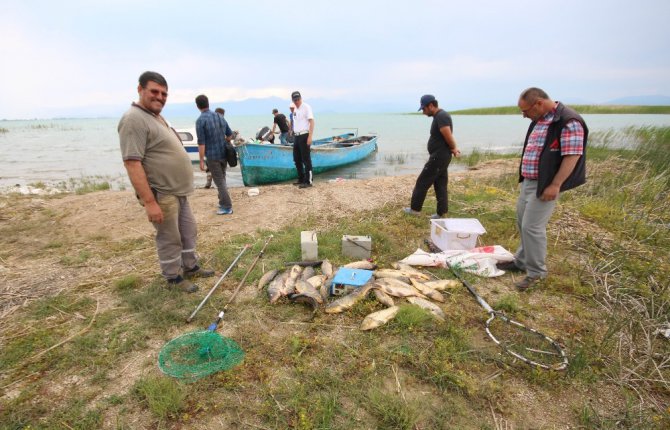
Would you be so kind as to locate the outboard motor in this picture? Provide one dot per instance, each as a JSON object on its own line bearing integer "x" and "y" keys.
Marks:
{"x": 265, "y": 134}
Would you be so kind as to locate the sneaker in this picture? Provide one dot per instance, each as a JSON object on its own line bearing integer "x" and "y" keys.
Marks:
{"x": 305, "y": 185}
{"x": 183, "y": 284}
{"x": 436, "y": 216}
{"x": 527, "y": 282}
{"x": 225, "y": 211}
{"x": 297, "y": 183}
{"x": 410, "y": 211}
{"x": 508, "y": 266}
{"x": 198, "y": 272}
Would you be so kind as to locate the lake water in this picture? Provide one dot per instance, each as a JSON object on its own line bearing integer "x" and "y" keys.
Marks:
{"x": 56, "y": 150}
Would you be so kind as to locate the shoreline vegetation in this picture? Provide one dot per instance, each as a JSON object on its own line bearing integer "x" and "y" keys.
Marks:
{"x": 583, "y": 109}
{"x": 83, "y": 313}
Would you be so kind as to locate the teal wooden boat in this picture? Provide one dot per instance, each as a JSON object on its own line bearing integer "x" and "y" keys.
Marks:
{"x": 264, "y": 163}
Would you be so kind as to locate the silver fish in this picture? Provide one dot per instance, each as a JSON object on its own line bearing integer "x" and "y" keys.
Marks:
{"x": 293, "y": 276}
{"x": 348, "y": 301}
{"x": 285, "y": 287}
{"x": 307, "y": 273}
{"x": 397, "y": 290}
{"x": 306, "y": 289}
{"x": 275, "y": 290}
{"x": 410, "y": 271}
{"x": 383, "y": 298}
{"x": 391, "y": 273}
{"x": 379, "y": 318}
{"x": 317, "y": 281}
{"x": 429, "y": 306}
{"x": 427, "y": 291}
{"x": 443, "y": 284}
{"x": 363, "y": 264}
{"x": 327, "y": 268}
{"x": 267, "y": 277}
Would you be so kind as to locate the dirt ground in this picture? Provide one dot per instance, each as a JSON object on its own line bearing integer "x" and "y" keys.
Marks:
{"x": 27, "y": 272}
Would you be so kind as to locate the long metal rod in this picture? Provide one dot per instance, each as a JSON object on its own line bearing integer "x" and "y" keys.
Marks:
{"x": 493, "y": 314}
{"x": 190, "y": 318}
{"x": 253, "y": 264}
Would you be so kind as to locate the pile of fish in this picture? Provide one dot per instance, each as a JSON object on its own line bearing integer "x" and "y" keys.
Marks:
{"x": 304, "y": 285}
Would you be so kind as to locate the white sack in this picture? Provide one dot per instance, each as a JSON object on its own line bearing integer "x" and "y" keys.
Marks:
{"x": 480, "y": 261}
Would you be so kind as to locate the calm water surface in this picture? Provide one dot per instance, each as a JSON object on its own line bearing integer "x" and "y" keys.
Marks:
{"x": 52, "y": 151}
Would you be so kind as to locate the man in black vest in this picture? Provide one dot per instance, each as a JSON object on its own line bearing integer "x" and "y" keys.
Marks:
{"x": 553, "y": 161}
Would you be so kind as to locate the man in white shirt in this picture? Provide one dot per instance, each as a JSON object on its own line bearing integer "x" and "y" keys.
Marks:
{"x": 303, "y": 130}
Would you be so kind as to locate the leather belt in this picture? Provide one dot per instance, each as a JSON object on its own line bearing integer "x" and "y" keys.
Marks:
{"x": 300, "y": 133}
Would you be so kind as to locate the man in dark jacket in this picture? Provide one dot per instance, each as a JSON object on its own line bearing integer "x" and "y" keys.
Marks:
{"x": 553, "y": 161}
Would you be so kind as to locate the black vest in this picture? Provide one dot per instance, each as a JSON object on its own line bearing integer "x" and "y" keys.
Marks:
{"x": 550, "y": 158}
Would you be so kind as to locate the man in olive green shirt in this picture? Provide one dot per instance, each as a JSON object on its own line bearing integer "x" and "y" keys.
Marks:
{"x": 161, "y": 174}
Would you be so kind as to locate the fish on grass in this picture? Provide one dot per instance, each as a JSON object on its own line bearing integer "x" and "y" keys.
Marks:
{"x": 431, "y": 307}
{"x": 443, "y": 284}
{"x": 363, "y": 265}
{"x": 267, "y": 277}
{"x": 396, "y": 288}
{"x": 379, "y": 318}
{"x": 383, "y": 298}
{"x": 276, "y": 289}
{"x": 427, "y": 291}
{"x": 410, "y": 271}
{"x": 348, "y": 301}
{"x": 306, "y": 289}
{"x": 327, "y": 268}
{"x": 293, "y": 275}
{"x": 307, "y": 273}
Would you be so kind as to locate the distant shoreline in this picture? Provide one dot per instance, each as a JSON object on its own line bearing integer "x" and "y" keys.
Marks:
{"x": 584, "y": 109}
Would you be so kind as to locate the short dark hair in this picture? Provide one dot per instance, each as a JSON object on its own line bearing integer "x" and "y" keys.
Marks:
{"x": 533, "y": 94}
{"x": 221, "y": 111}
{"x": 202, "y": 101}
{"x": 275, "y": 110}
{"x": 154, "y": 77}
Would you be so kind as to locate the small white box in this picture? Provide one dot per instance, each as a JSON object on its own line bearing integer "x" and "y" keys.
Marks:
{"x": 309, "y": 245}
{"x": 455, "y": 233}
{"x": 359, "y": 247}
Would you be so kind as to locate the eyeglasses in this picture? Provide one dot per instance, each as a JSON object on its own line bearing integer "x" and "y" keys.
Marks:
{"x": 156, "y": 92}
{"x": 525, "y": 111}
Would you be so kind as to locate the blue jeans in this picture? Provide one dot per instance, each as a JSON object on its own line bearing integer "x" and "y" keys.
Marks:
{"x": 282, "y": 138}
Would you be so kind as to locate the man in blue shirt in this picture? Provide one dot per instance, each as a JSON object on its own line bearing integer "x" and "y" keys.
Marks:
{"x": 213, "y": 131}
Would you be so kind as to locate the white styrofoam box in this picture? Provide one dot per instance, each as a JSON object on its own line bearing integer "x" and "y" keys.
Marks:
{"x": 309, "y": 245}
{"x": 455, "y": 233}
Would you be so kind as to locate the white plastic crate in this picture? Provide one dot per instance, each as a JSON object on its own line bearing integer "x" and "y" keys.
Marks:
{"x": 455, "y": 233}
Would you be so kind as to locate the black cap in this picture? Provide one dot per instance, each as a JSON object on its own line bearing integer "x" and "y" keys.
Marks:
{"x": 275, "y": 110}
{"x": 295, "y": 95}
{"x": 426, "y": 100}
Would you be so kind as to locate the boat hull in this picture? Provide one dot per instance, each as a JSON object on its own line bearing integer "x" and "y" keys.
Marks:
{"x": 265, "y": 164}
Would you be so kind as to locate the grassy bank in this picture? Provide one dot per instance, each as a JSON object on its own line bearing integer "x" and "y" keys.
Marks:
{"x": 584, "y": 109}
{"x": 85, "y": 358}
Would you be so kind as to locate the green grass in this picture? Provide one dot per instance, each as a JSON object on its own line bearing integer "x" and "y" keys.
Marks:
{"x": 606, "y": 293}
{"x": 583, "y": 109}
{"x": 164, "y": 397}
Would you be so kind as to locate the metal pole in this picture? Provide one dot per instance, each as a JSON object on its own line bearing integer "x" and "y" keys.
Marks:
{"x": 253, "y": 264}
{"x": 190, "y": 318}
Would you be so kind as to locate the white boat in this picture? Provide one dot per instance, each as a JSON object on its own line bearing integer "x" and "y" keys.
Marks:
{"x": 190, "y": 143}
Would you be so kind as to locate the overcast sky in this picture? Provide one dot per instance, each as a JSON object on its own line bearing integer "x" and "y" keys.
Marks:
{"x": 66, "y": 56}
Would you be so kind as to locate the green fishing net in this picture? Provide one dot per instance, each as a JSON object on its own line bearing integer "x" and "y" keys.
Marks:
{"x": 194, "y": 355}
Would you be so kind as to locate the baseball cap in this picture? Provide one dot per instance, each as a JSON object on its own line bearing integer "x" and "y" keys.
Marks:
{"x": 295, "y": 95}
{"x": 426, "y": 99}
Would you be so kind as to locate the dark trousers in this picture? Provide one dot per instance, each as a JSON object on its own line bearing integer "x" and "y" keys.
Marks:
{"x": 302, "y": 159}
{"x": 434, "y": 174}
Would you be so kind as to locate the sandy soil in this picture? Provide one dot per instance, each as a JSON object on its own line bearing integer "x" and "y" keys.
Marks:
{"x": 28, "y": 272}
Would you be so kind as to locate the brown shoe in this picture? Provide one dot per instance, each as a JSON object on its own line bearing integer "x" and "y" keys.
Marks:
{"x": 508, "y": 266}
{"x": 527, "y": 282}
{"x": 183, "y": 284}
{"x": 198, "y": 272}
